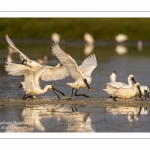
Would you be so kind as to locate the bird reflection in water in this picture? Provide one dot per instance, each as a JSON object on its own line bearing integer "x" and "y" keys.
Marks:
{"x": 133, "y": 113}
{"x": 53, "y": 118}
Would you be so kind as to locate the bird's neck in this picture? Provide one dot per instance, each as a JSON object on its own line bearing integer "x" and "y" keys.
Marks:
{"x": 42, "y": 91}
{"x": 130, "y": 83}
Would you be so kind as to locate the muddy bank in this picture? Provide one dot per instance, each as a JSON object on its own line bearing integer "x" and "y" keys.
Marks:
{"x": 93, "y": 102}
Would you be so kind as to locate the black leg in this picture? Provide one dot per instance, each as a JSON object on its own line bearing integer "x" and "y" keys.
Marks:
{"x": 71, "y": 94}
{"x": 25, "y": 96}
{"x": 55, "y": 107}
{"x": 74, "y": 106}
{"x": 139, "y": 111}
{"x": 110, "y": 96}
{"x": 56, "y": 95}
{"x": 81, "y": 94}
{"x": 114, "y": 98}
{"x": 20, "y": 86}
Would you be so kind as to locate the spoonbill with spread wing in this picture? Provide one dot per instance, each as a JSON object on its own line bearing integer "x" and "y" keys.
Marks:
{"x": 81, "y": 74}
{"x": 31, "y": 79}
{"x": 57, "y": 72}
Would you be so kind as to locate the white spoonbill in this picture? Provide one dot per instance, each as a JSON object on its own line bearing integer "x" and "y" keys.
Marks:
{"x": 113, "y": 86}
{"x": 124, "y": 93}
{"x": 50, "y": 74}
{"x": 121, "y": 37}
{"x": 122, "y": 85}
{"x": 31, "y": 79}
{"x": 55, "y": 37}
{"x": 113, "y": 76}
{"x": 88, "y": 38}
{"x": 81, "y": 74}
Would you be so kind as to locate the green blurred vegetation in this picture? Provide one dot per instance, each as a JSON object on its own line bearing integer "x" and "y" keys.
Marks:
{"x": 74, "y": 28}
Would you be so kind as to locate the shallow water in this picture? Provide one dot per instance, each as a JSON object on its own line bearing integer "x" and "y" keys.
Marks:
{"x": 128, "y": 60}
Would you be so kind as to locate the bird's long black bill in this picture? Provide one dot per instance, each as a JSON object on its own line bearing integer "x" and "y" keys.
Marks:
{"x": 58, "y": 91}
{"x": 146, "y": 94}
{"x": 140, "y": 92}
{"x": 87, "y": 85}
{"x": 23, "y": 61}
{"x": 56, "y": 94}
{"x": 133, "y": 80}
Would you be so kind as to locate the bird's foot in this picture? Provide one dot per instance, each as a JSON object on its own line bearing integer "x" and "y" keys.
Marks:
{"x": 114, "y": 99}
{"x": 29, "y": 96}
{"x": 70, "y": 98}
{"x": 86, "y": 96}
{"x": 20, "y": 86}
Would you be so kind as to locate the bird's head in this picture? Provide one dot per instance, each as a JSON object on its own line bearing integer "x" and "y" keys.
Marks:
{"x": 24, "y": 61}
{"x": 49, "y": 87}
{"x": 32, "y": 63}
{"x": 131, "y": 77}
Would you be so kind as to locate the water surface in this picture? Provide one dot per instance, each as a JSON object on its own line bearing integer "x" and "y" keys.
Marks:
{"x": 125, "y": 60}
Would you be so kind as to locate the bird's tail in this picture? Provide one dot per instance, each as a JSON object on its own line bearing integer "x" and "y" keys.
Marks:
{"x": 23, "y": 85}
{"x": 107, "y": 91}
{"x": 70, "y": 84}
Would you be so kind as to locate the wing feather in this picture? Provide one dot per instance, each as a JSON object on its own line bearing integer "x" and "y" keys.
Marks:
{"x": 88, "y": 65}
{"x": 68, "y": 62}
{"x": 54, "y": 73}
{"x": 19, "y": 70}
{"x": 10, "y": 42}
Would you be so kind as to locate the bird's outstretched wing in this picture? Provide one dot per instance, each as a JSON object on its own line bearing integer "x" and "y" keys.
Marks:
{"x": 68, "y": 62}
{"x": 19, "y": 70}
{"x": 54, "y": 73}
{"x": 88, "y": 65}
{"x": 10, "y": 42}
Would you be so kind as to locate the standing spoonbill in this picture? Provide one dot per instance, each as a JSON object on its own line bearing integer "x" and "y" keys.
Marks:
{"x": 31, "y": 79}
{"x": 81, "y": 74}
{"x": 113, "y": 86}
{"x": 124, "y": 93}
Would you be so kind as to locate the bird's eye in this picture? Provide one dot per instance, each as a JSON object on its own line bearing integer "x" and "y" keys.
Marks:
{"x": 29, "y": 61}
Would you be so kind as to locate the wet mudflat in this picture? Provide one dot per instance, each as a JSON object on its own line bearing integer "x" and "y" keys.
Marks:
{"x": 92, "y": 115}
{"x": 95, "y": 114}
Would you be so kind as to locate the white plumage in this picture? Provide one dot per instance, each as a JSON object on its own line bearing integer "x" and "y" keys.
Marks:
{"x": 122, "y": 85}
{"x": 81, "y": 74}
{"x": 50, "y": 73}
{"x": 55, "y": 37}
{"x": 31, "y": 79}
{"x": 88, "y": 38}
{"x": 124, "y": 93}
{"x": 113, "y": 76}
{"x": 113, "y": 86}
{"x": 121, "y": 37}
